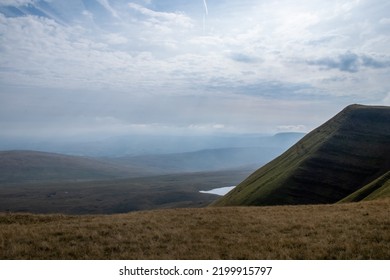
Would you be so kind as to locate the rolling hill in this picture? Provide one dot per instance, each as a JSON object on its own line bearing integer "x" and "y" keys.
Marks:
{"x": 345, "y": 154}
{"x": 33, "y": 166}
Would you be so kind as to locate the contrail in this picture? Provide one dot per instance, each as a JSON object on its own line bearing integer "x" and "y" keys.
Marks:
{"x": 206, "y": 13}
{"x": 205, "y": 7}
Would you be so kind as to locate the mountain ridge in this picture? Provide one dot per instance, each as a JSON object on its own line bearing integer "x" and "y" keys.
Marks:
{"x": 334, "y": 160}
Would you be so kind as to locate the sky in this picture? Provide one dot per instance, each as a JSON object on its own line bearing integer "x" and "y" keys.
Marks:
{"x": 113, "y": 67}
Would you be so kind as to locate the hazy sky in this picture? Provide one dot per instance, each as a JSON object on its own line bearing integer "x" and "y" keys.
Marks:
{"x": 188, "y": 66}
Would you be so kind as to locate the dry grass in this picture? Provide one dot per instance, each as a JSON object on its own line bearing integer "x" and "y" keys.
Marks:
{"x": 346, "y": 231}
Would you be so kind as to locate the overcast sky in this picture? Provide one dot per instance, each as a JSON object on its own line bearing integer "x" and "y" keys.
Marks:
{"x": 188, "y": 66}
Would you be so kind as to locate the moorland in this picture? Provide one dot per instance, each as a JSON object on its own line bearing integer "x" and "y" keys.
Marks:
{"x": 343, "y": 231}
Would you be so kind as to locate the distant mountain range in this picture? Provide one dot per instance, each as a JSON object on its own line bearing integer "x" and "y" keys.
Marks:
{"x": 345, "y": 159}
{"x": 203, "y": 160}
{"x": 139, "y": 144}
{"x": 18, "y": 166}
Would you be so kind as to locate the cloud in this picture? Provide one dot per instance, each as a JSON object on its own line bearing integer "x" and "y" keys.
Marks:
{"x": 385, "y": 21}
{"x": 116, "y": 39}
{"x": 265, "y": 88}
{"x": 244, "y": 58}
{"x": 350, "y": 62}
{"x": 386, "y": 100}
{"x": 176, "y": 18}
{"x": 47, "y": 54}
{"x": 15, "y": 3}
{"x": 149, "y": 63}
{"x": 371, "y": 62}
{"x": 292, "y": 128}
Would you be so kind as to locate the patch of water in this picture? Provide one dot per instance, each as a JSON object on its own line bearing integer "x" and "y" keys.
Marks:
{"x": 219, "y": 191}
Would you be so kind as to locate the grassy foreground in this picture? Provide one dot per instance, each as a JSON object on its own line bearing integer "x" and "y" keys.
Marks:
{"x": 345, "y": 231}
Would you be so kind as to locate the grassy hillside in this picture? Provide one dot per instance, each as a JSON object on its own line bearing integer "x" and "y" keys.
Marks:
{"x": 379, "y": 188}
{"x": 333, "y": 161}
{"x": 340, "y": 231}
{"x": 117, "y": 196}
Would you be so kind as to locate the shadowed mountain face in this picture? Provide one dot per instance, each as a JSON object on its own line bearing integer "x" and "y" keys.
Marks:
{"x": 333, "y": 161}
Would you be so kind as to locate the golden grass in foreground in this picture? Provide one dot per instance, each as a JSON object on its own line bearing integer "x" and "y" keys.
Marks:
{"x": 346, "y": 231}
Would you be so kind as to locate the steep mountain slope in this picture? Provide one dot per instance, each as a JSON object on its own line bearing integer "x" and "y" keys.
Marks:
{"x": 30, "y": 166}
{"x": 338, "y": 158}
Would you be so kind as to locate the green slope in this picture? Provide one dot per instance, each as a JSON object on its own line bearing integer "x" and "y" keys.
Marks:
{"x": 349, "y": 151}
{"x": 379, "y": 188}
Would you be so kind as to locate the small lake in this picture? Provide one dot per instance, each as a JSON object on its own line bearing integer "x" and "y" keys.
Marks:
{"x": 219, "y": 191}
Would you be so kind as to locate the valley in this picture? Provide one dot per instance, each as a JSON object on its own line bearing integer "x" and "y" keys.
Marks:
{"x": 119, "y": 195}
{"x": 47, "y": 182}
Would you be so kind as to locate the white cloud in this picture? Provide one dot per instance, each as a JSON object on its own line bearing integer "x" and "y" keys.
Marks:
{"x": 385, "y": 21}
{"x": 16, "y": 3}
{"x": 67, "y": 57}
{"x": 116, "y": 39}
{"x": 154, "y": 17}
{"x": 292, "y": 128}
{"x": 386, "y": 100}
{"x": 346, "y": 6}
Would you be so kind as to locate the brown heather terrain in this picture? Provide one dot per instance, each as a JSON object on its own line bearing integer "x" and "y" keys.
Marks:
{"x": 342, "y": 231}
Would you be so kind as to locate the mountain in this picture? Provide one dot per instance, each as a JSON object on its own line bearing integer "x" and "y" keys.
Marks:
{"x": 32, "y": 166}
{"x": 333, "y": 161}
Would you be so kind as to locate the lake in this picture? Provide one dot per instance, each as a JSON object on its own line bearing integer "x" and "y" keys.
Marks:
{"x": 219, "y": 191}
